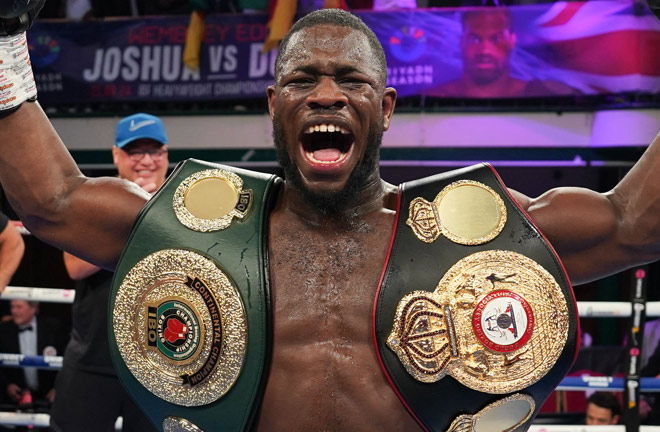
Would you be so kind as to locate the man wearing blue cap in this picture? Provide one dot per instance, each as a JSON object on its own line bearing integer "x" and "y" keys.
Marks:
{"x": 140, "y": 153}
{"x": 89, "y": 395}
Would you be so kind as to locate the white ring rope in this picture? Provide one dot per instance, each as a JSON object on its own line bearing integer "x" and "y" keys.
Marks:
{"x": 584, "y": 428}
{"x": 40, "y": 362}
{"x": 647, "y": 385}
{"x": 586, "y": 309}
{"x": 49, "y": 295}
{"x": 34, "y": 419}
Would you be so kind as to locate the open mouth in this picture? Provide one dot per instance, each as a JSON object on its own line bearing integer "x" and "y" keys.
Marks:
{"x": 327, "y": 144}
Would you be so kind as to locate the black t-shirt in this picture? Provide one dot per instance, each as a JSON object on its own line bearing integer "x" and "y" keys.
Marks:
{"x": 4, "y": 220}
{"x": 88, "y": 348}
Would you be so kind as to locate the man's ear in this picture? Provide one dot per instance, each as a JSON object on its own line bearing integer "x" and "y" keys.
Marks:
{"x": 115, "y": 154}
{"x": 270, "y": 92}
{"x": 388, "y": 104}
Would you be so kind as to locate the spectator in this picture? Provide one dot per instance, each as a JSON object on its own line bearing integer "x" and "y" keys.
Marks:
{"x": 29, "y": 334}
{"x": 88, "y": 379}
{"x": 603, "y": 409}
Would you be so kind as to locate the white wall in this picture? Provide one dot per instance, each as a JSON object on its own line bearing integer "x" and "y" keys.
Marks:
{"x": 572, "y": 129}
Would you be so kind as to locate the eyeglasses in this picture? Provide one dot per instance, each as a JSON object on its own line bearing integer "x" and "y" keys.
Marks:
{"x": 138, "y": 155}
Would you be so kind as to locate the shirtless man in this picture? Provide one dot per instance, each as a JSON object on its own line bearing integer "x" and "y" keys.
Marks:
{"x": 330, "y": 228}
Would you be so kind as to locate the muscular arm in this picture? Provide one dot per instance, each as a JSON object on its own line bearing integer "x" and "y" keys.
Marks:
{"x": 90, "y": 218}
{"x": 601, "y": 234}
{"x": 11, "y": 253}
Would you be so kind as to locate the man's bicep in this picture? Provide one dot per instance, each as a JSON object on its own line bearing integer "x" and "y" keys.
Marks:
{"x": 583, "y": 227}
{"x": 97, "y": 221}
{"x": 90, "y": 218}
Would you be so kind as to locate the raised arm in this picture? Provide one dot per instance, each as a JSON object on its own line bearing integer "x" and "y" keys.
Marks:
{"x": 90, "y": 218}
{"x": 600, "y": 234}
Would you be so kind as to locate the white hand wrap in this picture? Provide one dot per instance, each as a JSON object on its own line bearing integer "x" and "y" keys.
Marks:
{"x": 16, "y": 78}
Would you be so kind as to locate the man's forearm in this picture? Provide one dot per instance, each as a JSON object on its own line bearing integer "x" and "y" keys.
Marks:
{"x": 11, "y": 253}
{"x": 637, "y": 199}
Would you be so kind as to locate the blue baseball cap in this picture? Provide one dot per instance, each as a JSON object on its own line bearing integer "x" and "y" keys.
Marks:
{"x": 138, "y": 126}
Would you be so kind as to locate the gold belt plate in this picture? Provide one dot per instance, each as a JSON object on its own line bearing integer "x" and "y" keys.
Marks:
{"x": 466, "y": 212}
{"x": 181, "y": 327}
{"x": 497, "y": 322}
{"x": 209, "y": 200}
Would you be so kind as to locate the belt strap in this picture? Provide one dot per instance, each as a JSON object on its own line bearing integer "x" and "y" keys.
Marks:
{"x": 190, "y": 293}
{"x": 447, "y": 393}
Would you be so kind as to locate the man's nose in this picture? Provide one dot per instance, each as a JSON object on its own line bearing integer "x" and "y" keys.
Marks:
{"x": 327, "y": 94}
{"x": 144, "y": 159}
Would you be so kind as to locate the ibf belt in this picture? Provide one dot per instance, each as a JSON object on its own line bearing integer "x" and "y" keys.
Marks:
{"x": 475, "y": 318}
{"x": 190, "y": 309}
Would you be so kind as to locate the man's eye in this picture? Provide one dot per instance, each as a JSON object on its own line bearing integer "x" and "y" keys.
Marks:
{"x": 351, "y": 82}
{"x": 474, "y": 40}
{"x": 300, "y": 82}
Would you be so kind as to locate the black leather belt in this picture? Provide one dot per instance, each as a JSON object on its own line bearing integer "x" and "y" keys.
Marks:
{"x": 475, "y": 319}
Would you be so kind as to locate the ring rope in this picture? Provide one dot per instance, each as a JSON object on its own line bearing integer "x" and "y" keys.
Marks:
{"x": 586, "y": 309}
{"x": 48, "y": 295}
{"x": 35, "y": 419}
{"x": 584, "y": 428}
{"x": 40, "y": 362}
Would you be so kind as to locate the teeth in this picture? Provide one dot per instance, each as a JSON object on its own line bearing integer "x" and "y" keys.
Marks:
{"x": 327, "y": 127}
{"x": 310, "y": 155}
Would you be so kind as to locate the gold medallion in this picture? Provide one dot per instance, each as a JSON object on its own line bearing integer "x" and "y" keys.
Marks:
{"x": 209, "y": 200}
{"x": 504, "y": 415}
{"x": 177, "y": 424}
{"x": 466, "y": 212}
{"x": 181, "y": 327}
{"x": 497, "y": 322}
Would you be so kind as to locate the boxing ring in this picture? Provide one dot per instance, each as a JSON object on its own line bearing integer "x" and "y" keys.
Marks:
{"x": 584, "y": 383}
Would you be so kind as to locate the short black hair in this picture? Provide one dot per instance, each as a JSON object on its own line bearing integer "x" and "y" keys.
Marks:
{"x": 606, "y": 400}
{"x": 504, "y": 12}
{"x": 340, "y": 18}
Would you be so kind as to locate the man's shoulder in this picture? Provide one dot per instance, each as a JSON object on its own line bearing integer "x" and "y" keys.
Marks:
{"x": 548, "y": 88}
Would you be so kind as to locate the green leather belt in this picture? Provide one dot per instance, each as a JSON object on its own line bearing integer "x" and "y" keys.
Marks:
{"x": 190, "y": 335}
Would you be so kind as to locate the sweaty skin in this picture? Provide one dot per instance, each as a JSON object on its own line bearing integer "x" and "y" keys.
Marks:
{"x": 325, "y": 269}
{"x": 325, "y": 266}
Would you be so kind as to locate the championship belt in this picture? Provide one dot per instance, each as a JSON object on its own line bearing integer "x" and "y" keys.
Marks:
{"x": 190, "y": 335}
{"x": 475, "y": 319}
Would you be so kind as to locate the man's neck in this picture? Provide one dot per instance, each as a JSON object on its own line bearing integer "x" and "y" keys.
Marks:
{"x": 373, "y": 198}
{"x": 503, "y": 86}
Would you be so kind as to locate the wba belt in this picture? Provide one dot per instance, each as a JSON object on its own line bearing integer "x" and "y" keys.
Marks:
{"x": 190, "y": 335}
{"x": 475, "y": 319}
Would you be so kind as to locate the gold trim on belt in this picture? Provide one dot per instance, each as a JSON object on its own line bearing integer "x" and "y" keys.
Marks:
{"x": 497, "y": 322}
{"x": 181, "y": 327}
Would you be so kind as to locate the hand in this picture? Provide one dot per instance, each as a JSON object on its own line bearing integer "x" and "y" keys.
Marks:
{"x": 14, "y": 392}
{"x": 148, "y": 186}
{"x": 17, "y": 16}
{"x": 51, "y": 395}
{"x": 644, "y": 409}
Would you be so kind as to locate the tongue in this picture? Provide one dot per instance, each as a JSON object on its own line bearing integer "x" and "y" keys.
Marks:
{"x": 327, "y": 155}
